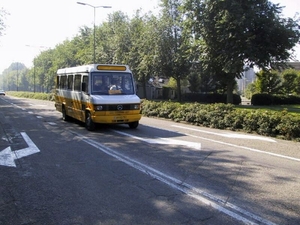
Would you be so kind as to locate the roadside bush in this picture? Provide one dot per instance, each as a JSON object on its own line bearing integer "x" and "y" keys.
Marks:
{"x": 289, "y": 128}
{"x": 235, "y": 120}
{"x": 226, "y": 116}
{"x": 166, "y": 109}
{"x": 184, "y": 112}
{"x": 150, "y": 108}
{"x": 250, "y": 123}
{"x": 267, "y": 123}
{"x": 216, "y": 114}
{"x": 32, "y": 95}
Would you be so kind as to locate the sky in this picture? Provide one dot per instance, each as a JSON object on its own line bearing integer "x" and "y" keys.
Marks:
{"x": 37, "y": 25}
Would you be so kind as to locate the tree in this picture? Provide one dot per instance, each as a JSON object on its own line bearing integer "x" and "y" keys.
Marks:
{"x": 297, "y": 88}
{"x": 250, "y": 90}
{"x": 174, "y": 44}
{"x": 194, "y": 82}
{"x": 82, "y": 43}
{"x": 117, "y": 39}
{"x": 241, "y": 33}
{"x": 289, "y": 81}
{"x": 268, "y": 81}
{"x": 23, "y": 83}
{"x": 143, "y": 54}
{"x": 14, "y": 77}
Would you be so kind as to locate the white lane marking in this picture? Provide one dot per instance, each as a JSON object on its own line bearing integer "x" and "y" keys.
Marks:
{"x": 243, "y": 147}
{"x": 39, "y": 117}
{"x": 206, "y": 198}
{"x": 164, "y": 141}
{"x": 228, "y": 135}
{"x": 52, "y": 123}
{"x": 37, "y": 105}
{"x": 17, "y": 106}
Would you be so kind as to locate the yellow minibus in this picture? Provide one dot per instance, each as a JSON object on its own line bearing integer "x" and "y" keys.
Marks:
{"x": 98, "y": 94}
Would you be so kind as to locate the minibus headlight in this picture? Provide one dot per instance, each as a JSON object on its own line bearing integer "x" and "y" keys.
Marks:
{"x": 98, "y": 107}
{"x": 136, "y": 107}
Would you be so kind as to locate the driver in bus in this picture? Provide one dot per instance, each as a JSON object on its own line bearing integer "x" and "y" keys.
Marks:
{"x": 115, "y": 85}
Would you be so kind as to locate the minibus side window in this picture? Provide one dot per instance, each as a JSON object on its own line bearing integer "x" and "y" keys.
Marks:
{"x": 85, "y": 82}
{"x": 77, "y": 82}
{"x": 70, "y": 82}
{"x": 62, "y": 82}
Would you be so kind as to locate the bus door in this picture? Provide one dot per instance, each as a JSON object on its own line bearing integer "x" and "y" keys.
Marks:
{"x": 77, "y": 98}
{"x": 68, "y": 99}
{"x": 85, "y": 97}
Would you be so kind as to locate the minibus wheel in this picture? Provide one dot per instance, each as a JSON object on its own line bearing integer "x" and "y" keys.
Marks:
{"x": 65, "y": 117}
{"x": 89, "y": 124}
{"x": 133, "y": 125}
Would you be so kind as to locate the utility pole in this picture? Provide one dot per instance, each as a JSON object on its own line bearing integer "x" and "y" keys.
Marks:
{"x": 101, "y": 6}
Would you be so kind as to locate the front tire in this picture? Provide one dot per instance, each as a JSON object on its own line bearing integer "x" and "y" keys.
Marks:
{"x": 133, "y": 125}
{"x": 89, "y": 124}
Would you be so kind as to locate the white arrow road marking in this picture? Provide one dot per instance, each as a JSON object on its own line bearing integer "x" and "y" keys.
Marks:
{"x": 8, "y": 157}
{"x": 164, "y": 141}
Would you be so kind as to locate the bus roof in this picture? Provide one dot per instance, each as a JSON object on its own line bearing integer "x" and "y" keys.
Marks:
{"x": 94, "y": 67}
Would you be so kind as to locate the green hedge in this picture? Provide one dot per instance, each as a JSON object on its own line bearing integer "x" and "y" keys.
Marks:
{"x": 36, "y": 95}
{"x": 210, "y": 98}
{"x": 267, "y": 99}
{"x": 218, "y": 115}
{"x": 226, "y": 116}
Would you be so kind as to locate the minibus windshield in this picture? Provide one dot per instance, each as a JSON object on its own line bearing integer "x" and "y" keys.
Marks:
{"x": 112, "y": 83}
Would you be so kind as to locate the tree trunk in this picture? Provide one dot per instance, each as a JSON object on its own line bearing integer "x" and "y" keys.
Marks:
{"x": 230, "y": 85}
{"x": 178, "y": 89}
{"x": 145, "y": 87}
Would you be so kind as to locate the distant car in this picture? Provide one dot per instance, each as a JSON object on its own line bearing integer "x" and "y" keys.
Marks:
{"x": 2, "y": 92}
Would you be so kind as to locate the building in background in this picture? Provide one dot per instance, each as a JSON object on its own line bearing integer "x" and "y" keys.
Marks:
{"x": 294, "y": 65}
{"x": 248, "y": 77}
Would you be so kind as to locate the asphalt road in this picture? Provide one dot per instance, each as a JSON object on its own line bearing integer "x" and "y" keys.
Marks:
{"x": 56, "y": 172}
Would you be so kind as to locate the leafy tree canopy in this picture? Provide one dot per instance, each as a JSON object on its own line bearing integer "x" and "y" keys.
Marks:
{"x": 238, "y": 33}
{"x": 3, "y": 15}
{"x": 268, "y": 81}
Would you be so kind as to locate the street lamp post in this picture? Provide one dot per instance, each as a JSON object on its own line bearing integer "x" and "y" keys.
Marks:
{"x": 101, "y": 6}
